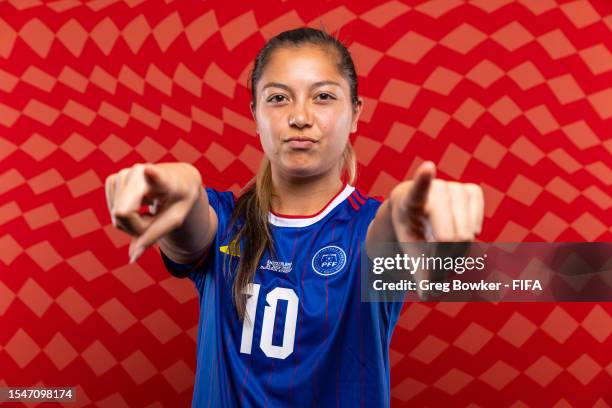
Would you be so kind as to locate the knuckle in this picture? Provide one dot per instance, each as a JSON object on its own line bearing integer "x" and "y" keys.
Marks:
{"x": 110, "y": 179}
{"x": 465, "y": 236}
{"x": 456, "y": 188}
{"x": 138, "y": 168}
{"x": 438, "y": 188}
{"x": 477, "y": 191}
{"x": 472, "y": 188}
{"x": 444, "y": 236}
{"x": 123, "y": 173}
{"x": 445, "y": 188}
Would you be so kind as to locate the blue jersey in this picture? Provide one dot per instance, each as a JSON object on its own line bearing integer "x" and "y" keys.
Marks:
{"x": 309, "y": 341}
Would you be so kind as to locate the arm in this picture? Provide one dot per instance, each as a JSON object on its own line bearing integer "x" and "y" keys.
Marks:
{"x": 184, "y": 224}
{"x": 189, "y": 241}
{"x": 428, "y": 209}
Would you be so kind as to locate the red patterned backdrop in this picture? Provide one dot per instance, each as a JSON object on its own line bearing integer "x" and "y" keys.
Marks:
{"x": 513, "y": 95}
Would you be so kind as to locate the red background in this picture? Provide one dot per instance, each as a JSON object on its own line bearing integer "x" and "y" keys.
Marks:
{"x": 512, "y": 95}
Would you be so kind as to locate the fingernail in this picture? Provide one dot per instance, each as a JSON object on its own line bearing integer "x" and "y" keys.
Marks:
{"x": 136, "y": 254}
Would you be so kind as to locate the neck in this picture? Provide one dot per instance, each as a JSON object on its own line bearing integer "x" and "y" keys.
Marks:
{"x": 304, "y": 196}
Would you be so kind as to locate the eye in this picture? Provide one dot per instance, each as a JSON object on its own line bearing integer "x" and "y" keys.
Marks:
{"x": 324, "y": 96}
{"x": 277, "y": 98}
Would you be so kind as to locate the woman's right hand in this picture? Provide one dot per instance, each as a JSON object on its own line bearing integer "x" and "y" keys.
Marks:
{"x": 170, "y": 189}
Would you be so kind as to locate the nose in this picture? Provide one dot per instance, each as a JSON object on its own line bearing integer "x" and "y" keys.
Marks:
{"x": 300, "y": 116}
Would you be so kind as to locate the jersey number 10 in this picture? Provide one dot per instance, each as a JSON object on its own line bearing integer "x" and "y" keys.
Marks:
{"x": 267, "y": 329}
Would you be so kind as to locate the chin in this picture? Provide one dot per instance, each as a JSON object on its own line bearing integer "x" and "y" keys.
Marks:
{"x": 302, "y": 169}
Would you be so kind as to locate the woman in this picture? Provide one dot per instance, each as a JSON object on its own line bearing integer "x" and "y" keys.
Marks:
{"x": 281, "y": 321}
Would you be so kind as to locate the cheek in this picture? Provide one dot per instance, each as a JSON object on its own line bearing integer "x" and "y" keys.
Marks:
{"x": 337, "y": 127}
{"x": 268, "y": 123}
{"x": 269, "y": 147}
{"x": 266, "y": 130}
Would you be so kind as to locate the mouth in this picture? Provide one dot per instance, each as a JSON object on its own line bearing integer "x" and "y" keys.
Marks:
{"x": 300, "y": 139}
{"x": 300, "y": 142}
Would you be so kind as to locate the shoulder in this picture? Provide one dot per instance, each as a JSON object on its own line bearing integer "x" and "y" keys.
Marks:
{"x": 362, "y": 203}
{"x": 220, "y": 200}
{"x": 360, "y": 208}
{"x": 223, "y": 203}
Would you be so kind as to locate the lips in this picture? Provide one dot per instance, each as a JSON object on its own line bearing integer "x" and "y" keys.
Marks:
{"x": 300, "y": 139}
{"x": 300, "y": 142}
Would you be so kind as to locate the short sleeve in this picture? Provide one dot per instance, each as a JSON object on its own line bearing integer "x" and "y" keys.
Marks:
{"x": 182, "y": 270}
{"x": 223, "y": 204}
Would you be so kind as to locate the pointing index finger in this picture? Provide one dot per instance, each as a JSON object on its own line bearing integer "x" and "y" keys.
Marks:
{"x": 423, "y": 177}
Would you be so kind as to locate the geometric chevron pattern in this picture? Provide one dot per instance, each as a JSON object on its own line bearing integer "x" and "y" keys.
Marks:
{"x": 514, "y": 95}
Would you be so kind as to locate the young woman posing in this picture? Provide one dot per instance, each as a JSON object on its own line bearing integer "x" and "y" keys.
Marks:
{"x": 281, "y": 321}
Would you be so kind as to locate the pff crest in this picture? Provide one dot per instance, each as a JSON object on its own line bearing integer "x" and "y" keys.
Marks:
{"x": 329, "y": 260}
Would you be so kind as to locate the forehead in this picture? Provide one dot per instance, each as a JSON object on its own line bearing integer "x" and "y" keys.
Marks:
{"x": 301, "y": 65}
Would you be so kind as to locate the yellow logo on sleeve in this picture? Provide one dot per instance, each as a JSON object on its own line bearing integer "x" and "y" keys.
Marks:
{"x": 233, "y": 249}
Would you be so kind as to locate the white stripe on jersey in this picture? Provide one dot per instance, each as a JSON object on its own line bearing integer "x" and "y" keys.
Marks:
{"x": 304, "y": 222}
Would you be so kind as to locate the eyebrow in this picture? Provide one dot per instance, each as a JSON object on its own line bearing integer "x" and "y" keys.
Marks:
{"x": 287, "y": 88}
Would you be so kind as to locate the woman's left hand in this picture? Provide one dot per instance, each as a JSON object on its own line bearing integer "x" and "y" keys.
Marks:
{"x": 430, "y": 209}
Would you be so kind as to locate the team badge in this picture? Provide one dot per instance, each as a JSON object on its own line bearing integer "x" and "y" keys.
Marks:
{"x": 329, "y": 260}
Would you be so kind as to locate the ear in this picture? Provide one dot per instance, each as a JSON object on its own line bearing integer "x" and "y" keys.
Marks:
{"x": 252, "y": 108}
{"x": 357, "y": 108}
